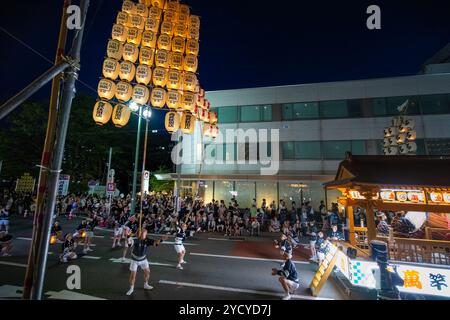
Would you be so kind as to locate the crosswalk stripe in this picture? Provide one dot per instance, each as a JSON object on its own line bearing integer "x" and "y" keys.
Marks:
{"x": 91, "y": 257}
{"x": 222, "y": 239}
{"x": 242, "y": 258}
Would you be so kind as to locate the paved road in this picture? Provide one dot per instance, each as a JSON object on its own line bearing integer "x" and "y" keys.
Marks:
{"x": 218, "y": 268}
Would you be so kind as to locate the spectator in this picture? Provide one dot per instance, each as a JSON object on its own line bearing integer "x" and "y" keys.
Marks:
{"x": 4, "y": 219}
{"x": 382, "y": 227}
{"x": 5, "y": 244}
{"x": 274, "y": 225}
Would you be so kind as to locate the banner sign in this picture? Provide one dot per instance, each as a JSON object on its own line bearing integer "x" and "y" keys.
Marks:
{"x": 63, "y": 185}
{"x": 146, "y": 181}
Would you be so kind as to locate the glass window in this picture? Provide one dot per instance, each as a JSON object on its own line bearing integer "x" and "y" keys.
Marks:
{"x": 268, "y": 191}
{"x": 228, "y": 114}
{"x": 435, "y": 104}
{"x": 394, "y": 103}
{"x": 421, "y": 149}
{"x": 288, "y": 151}
{"x": 286, "y": 111}
{"x": 307, "y": 150}
{"x": 335, "y": 149}
{"x": 379, "y": 106}
{"x": 355, "y": 108}
{"x": 266, "y": 113}
{"x": 250, "y": 114}
{"x": 230, "y": 152}
{"x": 245, "y": 194}
{"x": 222, "y": 191}
{"x": 291, "y": 192}
{"x": 438, "y": 146}
{"x": 334, "y": 109}
{"x": 359, "y": 147}
{"x": 306, "y": 110}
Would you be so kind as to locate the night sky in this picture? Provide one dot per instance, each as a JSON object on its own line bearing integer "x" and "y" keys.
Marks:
{"x": 246, "y": 43}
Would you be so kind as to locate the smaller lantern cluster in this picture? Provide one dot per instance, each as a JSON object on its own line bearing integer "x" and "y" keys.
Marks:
{"x": 152, "y": 59}
{"x": 399, "y": 138}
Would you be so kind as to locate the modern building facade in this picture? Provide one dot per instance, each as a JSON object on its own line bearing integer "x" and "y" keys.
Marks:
{"x": 317, "y": 125}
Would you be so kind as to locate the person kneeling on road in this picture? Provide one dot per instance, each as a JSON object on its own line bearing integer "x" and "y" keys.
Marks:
{"x": 68, "y": 249}
{"x": 288, "y": 276}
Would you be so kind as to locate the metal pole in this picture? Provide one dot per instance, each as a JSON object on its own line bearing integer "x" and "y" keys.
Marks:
{"x": 109, "y": 179}
{"x": 46, "y": 155}
{"x": 143, "y": 169}
{"x": 178, "y": 188}
{"x": 136, "y": 159}
{"x": 1, "y": 165}
{"x": 23, "y": 95}
{"x": 66, "y": 104}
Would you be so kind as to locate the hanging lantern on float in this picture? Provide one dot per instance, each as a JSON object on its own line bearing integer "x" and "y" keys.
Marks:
{"x": 214, "y": 132}
{"x": 114, "y": 49}
{"x": 184, "y": 9}
{"x": 155, "y": 12}
{"x": 134, "y": 36}
{"x": 124, "y": 90}
{"x": 201, "y": 92}
{"x": 172, "y": 122}
{"x": 187, "y": 125}
{"x": 190, "y": 63}
{"x": 207, "y": 105}
{"x": 141, "y": 94}
{"x": 174, "y": 79}
{"x": 179, "y": 30}
{"x": 160, "y": 77}
{"x": 172, "y": 5}
{"x": 102, "y": 112}
{"x": 213, "y": 119}
{"x": 188, "y": 101}
{"x": 151, "y": 24}
{"x": 147, "y": 56}
{"x": 176, "y": 60}
{"x": 136, "y": 21}
{"x": 207, "y": 130}
{"x": 162, "y": 58}
{"x": 200, "y": 102}
{"x": 110, "y": 69}
{"x": 106, "y": 89}
{"x": 183, "y": 18}
{"x": 123, "y": 18}
{"x": 178, "y": 44}
{"x": 193, "y": 33}
{"x": 130, "y": 52}
{"x": 149, "y": 39}
{"x": 119, "y": 32}
{"x": 170, "y": 16}
{"x": 143, "y": 74}
{"x": 129, "y": 7}
{"x": 158, "y": 3}
{"x": 194, "y": 21}
{"x": 203, "y": 115}
{"x": 142, "y": 10}
{"x": 121, "y": 115}
{"x": 158, "y": 97}
{"x": 167, "y": 28}
{"x": 127, "y": 71}
{"x": 164, "y": 42}
{"x": 189, "y": 81}
{"x": 173, "y": 99}
{"x": 192, "y": 47}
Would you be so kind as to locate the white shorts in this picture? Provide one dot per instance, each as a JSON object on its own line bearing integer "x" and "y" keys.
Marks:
{"x": 4, "y": 222}
{"x": 179, "y": 248}
{"x": 118, "y": 232}
{"x": 135, "y": 264}
{"x": 292, "y": 284}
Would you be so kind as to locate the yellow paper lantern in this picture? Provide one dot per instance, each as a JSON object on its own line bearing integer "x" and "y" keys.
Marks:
{"x": 207, "y": 105}
{"x": 152, "y": 24}
{"x": 147, "y": 56}
{"x": 124, "y": 90}
{"x": 119, "y": 32}
{"x": 158, "y": 3}
{"x": 214, "y": 131}
{"x": 200, "y": 101}
{"x": 102, "y": 112}
{"x": 187, "y": 123}
{"x": 167, "y": 28}
{"x": 164, "y": 42}
{"x": 130, "y": 52}
{"x": 142, "y": 10}
{"x": 188, "y": 101}
{"x": 158, "y": 97}
{"x": 111, "y": 69}
{"x": 121, "y": 115}
{"x": 201, "y": 92}
{"x": 134, "y": 36}
{"x": 193, "y": 33}
{"x": 143, "y": 74}
{"x": 207, "y": 130}
{"x": 189, "y": 81}
{"x": 149, "y": 39}
{"x": 106, "y": 89}
{"x": 192, "y": 47}
{"x": 172, "y": 5}
{"x": 178, "y": 44}
{"x": 194, "y": 21}
{"x": 114, "y": 49}
{"x": 162, "y": 58}
{"x": 141, "y": 94}
{"x": 179, "y": 30}
{"x": 183, "y": 17}
{"x": 129, "y": 7}
{"x": 160, "y": 77}
{"x": 123, "y": 18}
{"x": 137, "y": 21}
{"x": 174, "y": 79}
{"x": 155, "y": 12}
{"x": 172, "y": 122}
{"x": 213, "y": 119}
{"x": 176, "y": 61}
{"x": 170, "y": 16}
{"x": 190, "y": 63}
{"x": 127, "y": 71}
{"x": 174, "y": 99}
{"x": 203, "y": 115}
{"x": 184, "y": 9}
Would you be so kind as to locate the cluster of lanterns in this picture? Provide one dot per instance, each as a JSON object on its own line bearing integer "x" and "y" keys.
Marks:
{"x": 400, "y": 136}
{"x": 152, "y": 60}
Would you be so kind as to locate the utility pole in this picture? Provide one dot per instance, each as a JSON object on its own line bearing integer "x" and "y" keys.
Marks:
{"x": 144, "y": 158}
{"x": 109, "y": 179}
{"x": 136, "y": 159}
{"x": 70, "y": 76}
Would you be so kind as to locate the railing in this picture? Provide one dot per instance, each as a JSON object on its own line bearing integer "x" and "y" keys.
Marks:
{"x": 362, "y": 242}
{"x": 438, "y": 233}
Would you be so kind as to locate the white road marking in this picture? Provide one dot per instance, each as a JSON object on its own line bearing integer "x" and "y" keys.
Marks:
{"x": 186, "y": 244}
{"x": 104, "y": 229}
{"x": 7, "y": 291}
{"x": 265, "y": 293}
{"x": 6, "y": 263}
{"x": 128, "y": 261}
{"x": 22, "y": 238}
{"x": 50, "y": 253}
{"x": 91, "y": 257}
{"x": 99, "y": 237}
{"x": 242, "y": 258}
{"x": 221, "y": 239}
{"x": 70, "y": 295}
